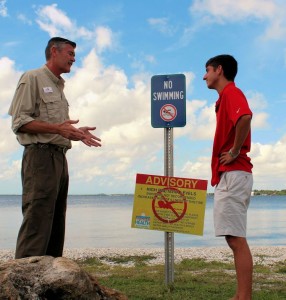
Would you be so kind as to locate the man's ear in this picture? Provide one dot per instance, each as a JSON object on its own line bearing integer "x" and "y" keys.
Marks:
{"x": 219, "y": 69}
{"x": 53, "y": 50}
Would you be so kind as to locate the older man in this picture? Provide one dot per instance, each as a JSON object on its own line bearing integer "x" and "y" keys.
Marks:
{"x": 40, "y": 119}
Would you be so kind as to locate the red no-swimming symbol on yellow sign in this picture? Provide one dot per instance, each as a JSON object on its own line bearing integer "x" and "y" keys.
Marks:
{"x": 169, "y": 205}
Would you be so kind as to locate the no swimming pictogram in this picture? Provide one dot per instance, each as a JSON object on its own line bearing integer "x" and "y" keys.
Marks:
{"x": 169, "y": 205}
{"x": 168, "y": 112}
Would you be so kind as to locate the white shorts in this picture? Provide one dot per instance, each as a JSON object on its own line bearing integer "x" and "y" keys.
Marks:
{"x": 231, "y": 201}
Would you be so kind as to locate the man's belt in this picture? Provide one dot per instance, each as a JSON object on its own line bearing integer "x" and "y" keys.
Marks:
{"x": 59, "y": 148}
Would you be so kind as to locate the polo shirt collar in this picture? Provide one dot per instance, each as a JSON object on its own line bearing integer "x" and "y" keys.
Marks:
{"x": 230, "y": 84}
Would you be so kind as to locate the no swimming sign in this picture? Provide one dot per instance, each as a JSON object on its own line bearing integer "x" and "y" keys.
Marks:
{"x": 168, "y": 101}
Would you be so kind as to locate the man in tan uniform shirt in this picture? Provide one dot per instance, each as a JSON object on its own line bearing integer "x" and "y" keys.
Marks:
{"x": 40, "y": 119}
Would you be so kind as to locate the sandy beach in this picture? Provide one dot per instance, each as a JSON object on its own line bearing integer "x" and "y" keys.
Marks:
{"x": 261, "y": 255}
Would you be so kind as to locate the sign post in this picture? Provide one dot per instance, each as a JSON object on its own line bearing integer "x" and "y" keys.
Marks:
{"x": 169, "y": 236}
{"x": 168, "y": 110}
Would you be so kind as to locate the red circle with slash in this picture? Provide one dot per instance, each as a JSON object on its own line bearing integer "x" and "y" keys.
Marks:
{"x": 160, "y": 202}
{"x": 168, "y": 112}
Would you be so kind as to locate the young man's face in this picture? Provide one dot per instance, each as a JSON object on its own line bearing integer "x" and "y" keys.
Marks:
{"x": 212, "y": 76}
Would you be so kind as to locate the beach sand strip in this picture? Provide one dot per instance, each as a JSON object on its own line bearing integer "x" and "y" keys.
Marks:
{"x": 261, "y": 255}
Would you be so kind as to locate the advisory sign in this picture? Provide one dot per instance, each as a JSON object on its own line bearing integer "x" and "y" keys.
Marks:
{"x": 170, "y": 204}
{"x": 168, "y": 101}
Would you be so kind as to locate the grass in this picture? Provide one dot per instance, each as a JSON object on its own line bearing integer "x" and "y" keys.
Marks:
{"x": 193, "y": 279}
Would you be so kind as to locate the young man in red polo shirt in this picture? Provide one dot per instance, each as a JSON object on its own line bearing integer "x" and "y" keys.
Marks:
{"x": 231, "y": 167}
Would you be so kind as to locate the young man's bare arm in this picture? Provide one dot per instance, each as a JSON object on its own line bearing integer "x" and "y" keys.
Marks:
{"x": 241, "y": 131}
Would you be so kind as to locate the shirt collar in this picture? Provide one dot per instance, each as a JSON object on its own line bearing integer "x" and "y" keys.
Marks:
{"x": 230, "y": 84}
{"x": 52, "y": 76}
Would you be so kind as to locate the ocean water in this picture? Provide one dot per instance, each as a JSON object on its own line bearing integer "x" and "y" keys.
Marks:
{"x": 104, "y": 221}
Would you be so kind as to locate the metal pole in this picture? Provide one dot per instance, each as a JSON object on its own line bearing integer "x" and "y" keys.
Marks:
{"x": 169, "y": 236}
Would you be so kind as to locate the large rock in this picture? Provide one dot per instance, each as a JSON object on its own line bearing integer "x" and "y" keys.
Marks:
{"x": 48, "y": 278}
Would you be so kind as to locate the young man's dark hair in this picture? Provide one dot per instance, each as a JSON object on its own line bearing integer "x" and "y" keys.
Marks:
{"x": 228, "y": 63}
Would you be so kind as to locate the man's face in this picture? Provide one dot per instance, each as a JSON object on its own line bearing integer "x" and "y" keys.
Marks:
{"x": 212, "y": 76}
{"x": 65, "y": 57}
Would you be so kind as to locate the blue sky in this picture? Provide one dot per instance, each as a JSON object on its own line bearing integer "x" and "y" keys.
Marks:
{"x": 120, "y": 46}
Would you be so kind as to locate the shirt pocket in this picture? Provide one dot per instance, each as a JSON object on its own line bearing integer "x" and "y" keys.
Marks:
{"x": 52, "y": 109}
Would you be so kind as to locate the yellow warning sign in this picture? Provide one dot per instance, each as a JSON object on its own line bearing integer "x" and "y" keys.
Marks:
{"x": 169, "y": 204}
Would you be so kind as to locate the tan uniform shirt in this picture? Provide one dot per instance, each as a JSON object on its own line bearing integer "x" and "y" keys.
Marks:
{"x": 39, "y": 96}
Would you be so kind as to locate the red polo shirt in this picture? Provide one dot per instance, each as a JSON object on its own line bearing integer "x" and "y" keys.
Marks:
{"x": 230, "y": 106}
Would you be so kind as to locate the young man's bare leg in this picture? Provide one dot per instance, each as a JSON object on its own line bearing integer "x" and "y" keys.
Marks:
{"x": 243, "y": 265}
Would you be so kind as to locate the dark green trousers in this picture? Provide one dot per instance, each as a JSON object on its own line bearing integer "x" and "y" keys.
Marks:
{"x": 45, "y": 182}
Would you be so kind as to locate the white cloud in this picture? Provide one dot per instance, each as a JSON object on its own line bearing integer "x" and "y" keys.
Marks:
{"x": 228, "y": 10}
{"x": 269, "y": 164}
{"x": 201, "y": 120}
{"x": 8, "y": 143}
{"x": 11, "y": 170}
{"x": 198, "y": 169}
{"x": 99, "y": 90}
{"x": 162, "y": 25}
{"x": 150, "y": 58}
{"x": 260, "y": 120}
{"x": 9, "y": 167}
{"x": 258, "y": 103}
{"x": 55, "y": 21}
{"x": 277, "y": 27}
{"x": 103, "y": 38}
{"x": 271, "y": 12}
{"x": 3, "y": 8}
{"x": 24, "y": 19}
{"x": 190, "y": 76}
{"x": 256, "y": 100}
{"x": 141, "y": 60}
{"x": 8, "y": 81}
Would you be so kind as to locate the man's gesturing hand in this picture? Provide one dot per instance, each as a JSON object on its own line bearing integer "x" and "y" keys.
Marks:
{"x": 70, "y": 132}
{"x": 90, "y": 139}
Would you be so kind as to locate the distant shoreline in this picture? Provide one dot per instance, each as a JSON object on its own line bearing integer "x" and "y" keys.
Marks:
{"x": 254, "y": 193}
{"x": 262, "y": 255}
